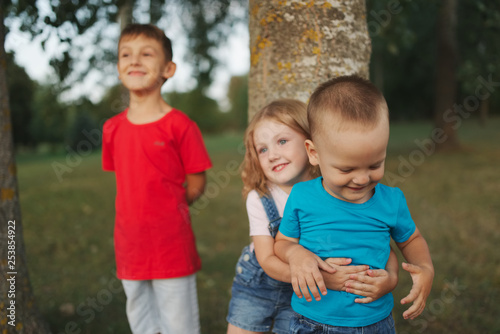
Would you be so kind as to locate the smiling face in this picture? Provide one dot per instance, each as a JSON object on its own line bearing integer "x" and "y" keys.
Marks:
{"x": 281, "y": 152}
{"x": 142, "y": 65}
{"x": 351, "y": 159}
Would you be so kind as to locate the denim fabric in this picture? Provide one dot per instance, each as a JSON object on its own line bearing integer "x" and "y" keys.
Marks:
{"x": 302, "y": 325}
{"x": 257, "y": 299}
{"x": 272, "y": 214}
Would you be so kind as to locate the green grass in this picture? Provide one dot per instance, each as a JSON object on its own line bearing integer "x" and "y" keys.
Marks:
{"x": 454, "y": 198}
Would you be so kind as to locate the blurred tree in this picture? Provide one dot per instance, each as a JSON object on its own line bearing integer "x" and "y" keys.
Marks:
{"x": 445, "y": 112}
{"x": 21, "y": 94}
{"x": 403, "y": 59}
{"x": 18, "y": 310}
{"x": 200, "y": 108}
{"x": 294, "y": 46}
{"x": 237, "y": 94}
{"x": 48, "y": 124}
{"x": 479, "y": 47}
{"x": 82, "y": 126}
{"x": 208, "y": 24}
{"x": 114, "y": 101}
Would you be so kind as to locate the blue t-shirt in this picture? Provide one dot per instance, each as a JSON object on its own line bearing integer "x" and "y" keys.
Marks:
{"x": 330, "y": 227}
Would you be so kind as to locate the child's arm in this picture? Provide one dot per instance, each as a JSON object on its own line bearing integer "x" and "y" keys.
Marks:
{"x": 374, "y": 284}
{"x": 304, "y": 276}
{"x": 416, "y": 252}
{"x": 272, "y": 265}
{"x": 335, "y": 277}
{"x": 195, "y": 186}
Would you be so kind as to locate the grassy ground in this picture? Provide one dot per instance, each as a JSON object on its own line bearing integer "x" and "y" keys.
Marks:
{"x": 67, "y": 205}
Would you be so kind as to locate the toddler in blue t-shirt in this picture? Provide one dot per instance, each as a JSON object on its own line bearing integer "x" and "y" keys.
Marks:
{"x": 346, "y": 212}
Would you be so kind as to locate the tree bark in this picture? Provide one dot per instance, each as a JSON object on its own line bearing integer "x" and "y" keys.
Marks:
{"x": 296, "y": 45}
{"x": 446, "y": 81}
{"x": 18, "y": 312}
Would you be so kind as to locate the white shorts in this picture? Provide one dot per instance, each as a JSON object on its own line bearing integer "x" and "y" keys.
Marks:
{"x": 166, "y": 306}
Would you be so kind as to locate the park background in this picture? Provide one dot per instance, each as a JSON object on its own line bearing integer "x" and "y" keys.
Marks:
{"x": 67, "y": 202}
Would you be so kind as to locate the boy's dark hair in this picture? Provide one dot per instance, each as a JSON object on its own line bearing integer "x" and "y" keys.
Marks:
{"x": 347, "y": 98}
{"x": 150, "y": 31}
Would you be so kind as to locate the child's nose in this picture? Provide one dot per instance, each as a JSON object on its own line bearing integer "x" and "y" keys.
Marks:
{"x": 361, "y": 178}
{"x": 135, "y": 59}
{"x": 273, "y": 154}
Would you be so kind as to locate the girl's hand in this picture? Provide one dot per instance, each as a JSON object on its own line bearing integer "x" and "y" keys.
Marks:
{"x": 306, "y": 275}
{"x": 337, "y": 280}
{"x": 371, "y": 284}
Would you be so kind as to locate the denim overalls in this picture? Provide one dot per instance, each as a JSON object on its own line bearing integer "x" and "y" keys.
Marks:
{"x": 257, "y": 299}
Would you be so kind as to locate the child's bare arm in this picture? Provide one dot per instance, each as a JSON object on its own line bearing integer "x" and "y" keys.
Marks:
{"x": 195, "y": 186}
{"x": 416, "y": 252}
{"x": 304, "y": 267}
{"x": 272, "y": 265}
{"x": 374, "y": 284}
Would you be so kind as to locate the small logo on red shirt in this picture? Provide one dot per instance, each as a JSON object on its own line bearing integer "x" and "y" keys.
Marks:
{"x": 159, "y": 143}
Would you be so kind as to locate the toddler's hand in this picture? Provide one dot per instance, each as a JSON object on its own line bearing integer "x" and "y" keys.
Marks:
{"x": 422, "y": 284}
{"x": 372, "y": 284}
{"x": 337, "y": 280}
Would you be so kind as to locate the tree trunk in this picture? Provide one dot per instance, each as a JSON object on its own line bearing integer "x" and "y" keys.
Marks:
{"x": 294, "y": 46}
{"x": 484, "y": 110}
{"x": 18, "y": 313}
{"x": 446, "y": 112}
{"x": 125, "y": 12}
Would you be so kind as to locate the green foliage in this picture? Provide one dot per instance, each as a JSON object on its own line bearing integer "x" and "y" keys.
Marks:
{"x": 403, "y": 55}
{"x": 479, "y": 45}
{"x": 200, "y": 108}
{"x": 114, "y": 101}
{"x": 404, "y": 52}
{"x": 238, "y": 97}
{"x": 21, "y": 93}
{"x": 207, "y": 24}
{"x": 82, "y": 125}
{"x": 49, "y": 119}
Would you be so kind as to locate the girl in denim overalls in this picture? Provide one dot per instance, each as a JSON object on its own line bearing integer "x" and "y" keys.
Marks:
{"x": 275, "y": 160}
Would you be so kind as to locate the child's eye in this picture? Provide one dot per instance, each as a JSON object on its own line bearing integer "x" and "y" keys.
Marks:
{"x": 124, "y": 55}
{"x": 375, "y": 167}
{"x": 262, "y": 150}
{"x": 282, "y": 141}
{"x": 346, "y": 170}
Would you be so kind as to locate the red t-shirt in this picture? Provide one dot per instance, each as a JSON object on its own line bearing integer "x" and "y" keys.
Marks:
{"x": 153, "y": 234}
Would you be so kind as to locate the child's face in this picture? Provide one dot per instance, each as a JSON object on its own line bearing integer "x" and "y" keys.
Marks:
{"x": 282, "y": 154}
{"x": 142, "y": 66}
{"x": 351, "y": 161}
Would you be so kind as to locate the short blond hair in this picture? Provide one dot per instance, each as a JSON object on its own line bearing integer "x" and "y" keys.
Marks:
{"x": 345, "y": 99}
{"x": 289, "y": 112}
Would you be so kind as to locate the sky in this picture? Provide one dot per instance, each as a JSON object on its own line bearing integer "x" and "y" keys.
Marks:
{"x": 234, "y": 58}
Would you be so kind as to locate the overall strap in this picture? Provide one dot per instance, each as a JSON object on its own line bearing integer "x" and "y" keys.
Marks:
{"x": 272, "y": 214}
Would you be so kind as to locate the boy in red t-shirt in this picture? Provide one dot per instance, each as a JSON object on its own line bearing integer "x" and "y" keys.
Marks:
{"x": 159, "y": 159}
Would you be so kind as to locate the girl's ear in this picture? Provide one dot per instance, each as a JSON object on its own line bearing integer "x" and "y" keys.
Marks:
{"x": 311, "y": 152}
{"x": 169, "y": 70}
